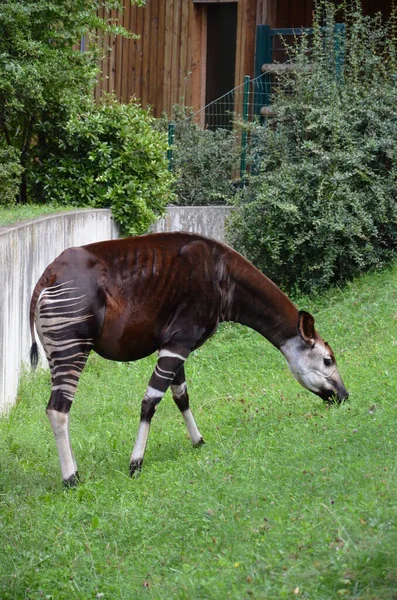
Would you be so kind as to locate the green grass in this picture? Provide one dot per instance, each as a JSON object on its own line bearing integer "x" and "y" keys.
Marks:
{"x": 14, "y": 214}
{"x": 287, "y": 499}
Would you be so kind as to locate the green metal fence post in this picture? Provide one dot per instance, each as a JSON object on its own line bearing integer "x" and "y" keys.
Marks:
{"x": 244, "y": 135}
{"x": 171, "y": 133}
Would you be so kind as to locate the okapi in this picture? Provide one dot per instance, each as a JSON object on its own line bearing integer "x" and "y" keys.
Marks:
{"x": 168, "y": 292}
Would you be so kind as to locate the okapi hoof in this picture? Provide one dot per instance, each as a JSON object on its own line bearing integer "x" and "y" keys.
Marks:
{"x": 136, "y": 467}
{"x": 72, "y": 481}
{"x": 199, "y": 443}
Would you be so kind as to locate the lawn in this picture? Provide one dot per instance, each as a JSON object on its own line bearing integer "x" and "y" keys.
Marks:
{"x": 287, "y": 498}
{"x": 14, "y": 214}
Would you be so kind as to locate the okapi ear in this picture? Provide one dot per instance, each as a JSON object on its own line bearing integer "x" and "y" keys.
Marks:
{"x": 306, "y": 327}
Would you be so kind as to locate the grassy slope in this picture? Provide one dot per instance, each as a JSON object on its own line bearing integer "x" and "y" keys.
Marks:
{"x": 14, "y": 214}
{"x": 286, "y": 499}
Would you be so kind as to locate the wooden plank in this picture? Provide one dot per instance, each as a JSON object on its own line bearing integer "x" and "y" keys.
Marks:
{"x": 133, "y": 54}
{"x": 146, "y": 51}
{"x": 112, "y": 56}
{"x": 154, "y": 55}
{"x": 189, "y": 57}
{"x": 124, "y": 70}
{"x": 259, "y": 12}
{"x": 240, "y": 42}
{"x": 184, "y": 50}
{"x": 309, "y": 13}
{"x": 106, "y": 59}
{"x": 249, "y": 53}
{"x": 99, "y": 41}
{"x": 199, "y": 58}
{"x": 103, "y": 57}
{"x": 239, "y": 65}
{"x": 160, "y": 70}
{"x": 167, "y": 80}
{"x": 266, "y": 12}
{"x": 297, "y": 13}
{"x": 118, "y": 57}
{"x": 138, "y": 56}
{"x": 272, "y": 13}
{"x": 203, "y": 71}
{"x": 176, "y": 55}
{"x": 282, "y": 14}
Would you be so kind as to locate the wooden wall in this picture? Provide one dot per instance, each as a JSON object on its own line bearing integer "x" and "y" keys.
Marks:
{"x": 155, "y": 67}
{"x": 167, "y": 64}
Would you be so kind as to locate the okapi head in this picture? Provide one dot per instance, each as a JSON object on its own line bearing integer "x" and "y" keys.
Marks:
{"x": 312, "y": 361}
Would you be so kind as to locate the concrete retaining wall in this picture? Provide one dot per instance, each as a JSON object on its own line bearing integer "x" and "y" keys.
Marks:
{"x": 206, "y": 220}
{"x": 25, "y": 250}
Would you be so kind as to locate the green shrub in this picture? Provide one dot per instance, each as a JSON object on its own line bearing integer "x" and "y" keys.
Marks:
{"x": 110, "y": 155}
{"x": 322, "y": 205}
{"x": 204, "y": 162}
{"x": 10, "y": 175}
{"x": 43, "y": 74}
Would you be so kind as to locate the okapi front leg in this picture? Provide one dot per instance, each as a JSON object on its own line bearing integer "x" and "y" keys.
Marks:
{"x": 168, "y": 365}
{"x": 181, "y": 399}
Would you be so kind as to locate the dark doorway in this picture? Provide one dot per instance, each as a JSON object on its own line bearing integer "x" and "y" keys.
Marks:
{"x": 221, "y": 60}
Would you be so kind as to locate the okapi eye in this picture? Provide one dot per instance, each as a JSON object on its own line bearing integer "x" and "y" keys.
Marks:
{"x": 328, "y": 362}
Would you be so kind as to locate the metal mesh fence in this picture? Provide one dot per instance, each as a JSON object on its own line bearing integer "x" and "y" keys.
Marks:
{"x": 252, "y": 99}
{"x": 244, "y": 102}
{"x": 229, "y": 112}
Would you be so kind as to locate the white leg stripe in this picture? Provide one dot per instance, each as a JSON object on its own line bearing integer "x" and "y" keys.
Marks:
{"x": 178, "y": 390}
{"x": 141, "y": 440}
{"x": 167, "y": 353}
{"x": 60, "y": 426}
{"x": 194, "y": 433}
{"x": 163, "y": 377}
{"x": 153, "y": 393}
{"x": 165, "y": 372}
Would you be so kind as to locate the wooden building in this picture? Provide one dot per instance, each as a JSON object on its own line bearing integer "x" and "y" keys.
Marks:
{"x": 192, "y": 51}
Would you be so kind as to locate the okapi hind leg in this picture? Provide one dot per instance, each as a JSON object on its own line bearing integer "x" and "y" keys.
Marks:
{"x": 65, "y": 375}
{"x": 66, "y": 320}
{"x": 60, "y": 427}
{"x": 181, "y": 399}
{"x": 168, "y": 365}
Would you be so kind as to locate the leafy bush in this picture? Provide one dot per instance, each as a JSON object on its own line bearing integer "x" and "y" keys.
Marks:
{"x": 43, "y": 75}
{"x": 322, "y": 206}
{"x": 110, "y": 155}
{"x": 204, "y": 162}
{"x": 10, "y": 175}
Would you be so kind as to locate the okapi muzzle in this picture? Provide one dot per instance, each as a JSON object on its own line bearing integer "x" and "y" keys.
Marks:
{"x": 126, "y": 299}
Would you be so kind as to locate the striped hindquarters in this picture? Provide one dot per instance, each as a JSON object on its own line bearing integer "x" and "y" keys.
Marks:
{"x": 64, "y": 322}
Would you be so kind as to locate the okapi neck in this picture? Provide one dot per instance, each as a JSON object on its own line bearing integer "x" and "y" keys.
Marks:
{"x": 259, "y": 304}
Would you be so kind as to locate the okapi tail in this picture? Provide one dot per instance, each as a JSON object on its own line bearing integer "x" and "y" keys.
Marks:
{"x": 34, "y": 355}
{"x": 34, "y": 350}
